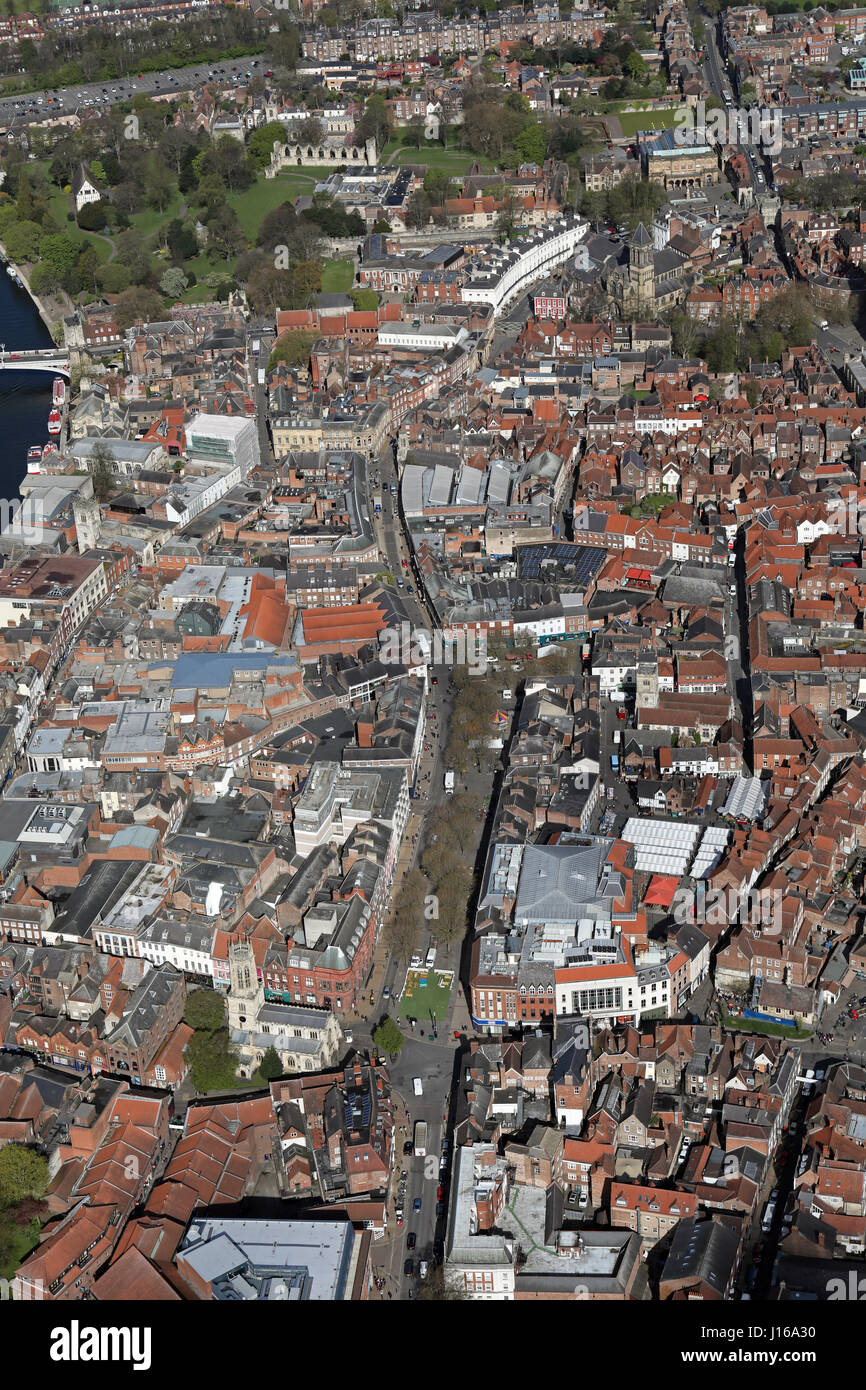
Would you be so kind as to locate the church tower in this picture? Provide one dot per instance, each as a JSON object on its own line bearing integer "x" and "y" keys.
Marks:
{"x": 246, "y": 991}
{"x": 88, "y": 523}
{"x": 640, "y": 266}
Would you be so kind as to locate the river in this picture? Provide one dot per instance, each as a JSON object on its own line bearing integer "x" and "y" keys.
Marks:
{"x": 25, "y": 397}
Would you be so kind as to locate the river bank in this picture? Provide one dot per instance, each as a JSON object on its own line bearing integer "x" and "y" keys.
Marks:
{"x": 52, "y": 309}
{"x": 25, "y": 397}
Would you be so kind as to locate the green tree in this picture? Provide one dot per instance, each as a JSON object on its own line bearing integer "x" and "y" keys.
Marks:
{"x": 211, "y": 192}
{"x": 388, "y": 1037}
{"x": 635, "y": 65}
{"x": 720, "y": 348}
{"x": 180, "y": 240}
{"x": 293, "y": 348}
{"x": 43, "y": 280}
{"x": 91, "y": 218}
{"x": 22, "y": 241}
{"x": 59, "y": 252}
{"x": 212, "y": 1062}
{"x": 87, "y": 268}
{"x": 438, "y": 185}
{"x": 25, "y": 200}
{"x": 113, "y": 278}
{"x": 160, "y": 186}
{"x": 277, "y": 227}
{"x": 204, "y": 1010}
{"x": 375, "y": 124}
{"x": 418, "y": 209}
{"x": 262, "y": 142}
{"x": 531, "y": 143}
{"x": 310, "y": 131}
{"x": 233, "y": 164}
{"x": 270, "y": 1067}
{"x": 102, "y": 469}
{"x": 269, "y": 289}
{"x": 23, "y": 1174}
{"x": 225, "y": 233}
{"x": 173, "y": 282}
{"x": 131, "y": 252}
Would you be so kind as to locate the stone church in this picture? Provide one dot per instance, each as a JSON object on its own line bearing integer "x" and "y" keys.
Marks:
{"x": 648, "y": 281}
{"x": 304, "y": 1038}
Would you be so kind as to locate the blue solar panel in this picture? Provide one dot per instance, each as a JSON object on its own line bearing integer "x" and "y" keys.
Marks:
{"x": 583, "y": 560}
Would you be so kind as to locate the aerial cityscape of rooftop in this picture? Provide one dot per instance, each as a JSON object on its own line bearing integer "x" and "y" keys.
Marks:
{"x": 433, "y": 663}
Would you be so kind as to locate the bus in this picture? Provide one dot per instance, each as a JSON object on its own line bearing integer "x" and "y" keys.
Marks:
{"x": 420, "y": 1138}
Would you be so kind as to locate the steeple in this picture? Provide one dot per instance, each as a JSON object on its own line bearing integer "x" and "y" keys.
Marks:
{"x": 640, "y": 264}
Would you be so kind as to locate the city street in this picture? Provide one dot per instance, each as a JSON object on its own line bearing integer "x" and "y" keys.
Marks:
{"x": 433, "y": 1061}
{"x": 720, "y": 84}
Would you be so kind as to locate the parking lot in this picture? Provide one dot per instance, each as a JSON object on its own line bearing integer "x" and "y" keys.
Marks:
{"x": 34, "y": 106}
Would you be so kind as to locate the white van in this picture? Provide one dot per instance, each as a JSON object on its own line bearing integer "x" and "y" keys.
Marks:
{"x": 416, "y": 1086}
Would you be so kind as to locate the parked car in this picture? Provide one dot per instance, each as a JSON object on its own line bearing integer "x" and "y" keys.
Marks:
{"x": 410, "y": 1240}
{"x": 409, "y": 1268}
{"x": 416, "y": 1205}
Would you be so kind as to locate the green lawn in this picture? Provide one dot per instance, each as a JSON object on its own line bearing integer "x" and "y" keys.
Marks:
{"x": 735, "y": 1023}
{"x": 266, "y": 194}
{"x": 21, "y": 1240}
{"x": 207, "y": 276}
{"x": 337, "y": 277}
{"x": 633, "y": 121}
{"x": 432, "y": 999}
{"x": 60, "y": 204}
{"x": 450, "y": 161}
{"x": 150, "y": 220}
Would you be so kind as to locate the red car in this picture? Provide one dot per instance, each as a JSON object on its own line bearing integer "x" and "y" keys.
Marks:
{"x": 620, "y": 714}
{"x": 854, "y": 1014}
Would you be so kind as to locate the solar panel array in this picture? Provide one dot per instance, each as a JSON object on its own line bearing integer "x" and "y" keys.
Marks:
{"x": 586, "y": 559}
